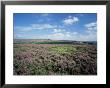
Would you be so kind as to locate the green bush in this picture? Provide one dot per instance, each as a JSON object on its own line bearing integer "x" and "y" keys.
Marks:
{"x": 63, "y": 49}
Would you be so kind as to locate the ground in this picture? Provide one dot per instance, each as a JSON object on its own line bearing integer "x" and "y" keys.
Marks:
{"x": 55, "y": 59}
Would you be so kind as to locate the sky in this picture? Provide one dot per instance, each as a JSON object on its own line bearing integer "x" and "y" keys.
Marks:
{"x": 55, "y": 26}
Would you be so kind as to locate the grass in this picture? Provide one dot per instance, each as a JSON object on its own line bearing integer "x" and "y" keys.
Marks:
{"x": 63, "y": 49}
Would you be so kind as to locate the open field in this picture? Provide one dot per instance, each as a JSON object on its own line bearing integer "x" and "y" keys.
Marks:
{"x": 55, "y": 59}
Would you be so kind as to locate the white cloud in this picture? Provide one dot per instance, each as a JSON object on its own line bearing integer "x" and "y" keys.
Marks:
{"x": 57, "y": 33}
{"x": 89, "y": 37}
{"x": 91, "y": 26}
{"x": 91, "y": 30}
{"x": 35, "y": 27}
{"x": 23, "y": 28}
{"x": 43, "y": 26}
{"x": 22, "y": 36}
{"x": 75, "y": 33}
{"x": 62, "y": 35}
{"x": 73, "y": 36}
{"x": 57, "y": 36}
{"x": 70, "y": 20}
{"x": 58, "y": 30}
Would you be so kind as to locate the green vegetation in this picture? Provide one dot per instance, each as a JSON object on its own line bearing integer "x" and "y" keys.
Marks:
{"x": 63, "y": 49}
{"x": 54, "y": 59}
{"x": 32, "y": 68}
{"x": 45, "y": 42}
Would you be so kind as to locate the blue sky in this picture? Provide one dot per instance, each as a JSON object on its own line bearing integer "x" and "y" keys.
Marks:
{"x": 56, "y": 26}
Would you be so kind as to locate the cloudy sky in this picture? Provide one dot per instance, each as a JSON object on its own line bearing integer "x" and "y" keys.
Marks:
{"x": 56, "y": 26}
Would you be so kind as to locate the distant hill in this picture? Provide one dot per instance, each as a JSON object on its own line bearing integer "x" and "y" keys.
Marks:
{"x": 49, "y": 41}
